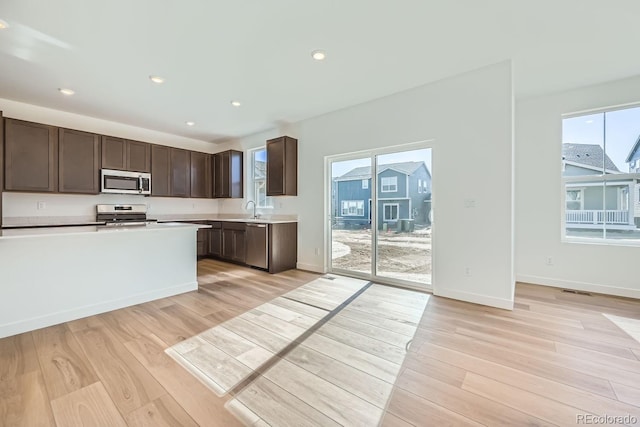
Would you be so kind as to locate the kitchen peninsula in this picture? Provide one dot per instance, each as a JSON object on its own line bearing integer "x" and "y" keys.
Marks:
{"x": 87, "y": 270}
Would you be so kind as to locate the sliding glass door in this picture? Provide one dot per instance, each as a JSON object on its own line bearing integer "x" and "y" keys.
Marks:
{"x": 351, "y": 237}
{"x": 381, "y": 228}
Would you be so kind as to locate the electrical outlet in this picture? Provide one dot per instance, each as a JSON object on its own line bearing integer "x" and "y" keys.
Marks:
{"x": 467, "y": 271}
{"x": 42, "y": 205}
{"x": 549, "y": 261}
{"x": 469, "y": 203}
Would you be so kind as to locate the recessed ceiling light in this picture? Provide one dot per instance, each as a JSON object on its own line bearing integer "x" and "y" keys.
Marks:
{"x": 589, "y": 122}
{"x": 3, "y": 24}
{"x": 190, "y": 123}
{"x": 318, "y": 55}
{"x": 236, "y": 103}
{"x": 67, "y": 92}
{"x": 156, "y": 79}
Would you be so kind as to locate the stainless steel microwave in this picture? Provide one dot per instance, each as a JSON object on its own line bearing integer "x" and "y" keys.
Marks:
{"x": 124, "y": 182}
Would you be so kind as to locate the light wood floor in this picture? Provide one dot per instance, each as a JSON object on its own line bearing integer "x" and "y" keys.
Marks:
{"x": 554, "y": 357}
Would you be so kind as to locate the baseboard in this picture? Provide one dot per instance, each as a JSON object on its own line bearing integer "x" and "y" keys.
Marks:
{"x": 27, "y": 325}
{"x": 310, "y": 267}
{"x": 475, "y": 298}
{"x": 579, "y": 286}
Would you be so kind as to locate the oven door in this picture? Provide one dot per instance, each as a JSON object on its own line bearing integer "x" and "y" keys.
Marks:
{"x": 123, "y": 182}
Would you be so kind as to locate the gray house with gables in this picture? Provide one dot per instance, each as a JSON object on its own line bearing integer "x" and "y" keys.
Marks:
{"x": 404, "y": 192}
{"x": 588, "y": 203}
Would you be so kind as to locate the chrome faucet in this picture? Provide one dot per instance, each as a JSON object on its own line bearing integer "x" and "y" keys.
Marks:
{"x": 255, "y": 216}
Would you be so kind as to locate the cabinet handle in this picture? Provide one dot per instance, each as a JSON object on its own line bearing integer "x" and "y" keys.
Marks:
{"x": 257, "y": 225}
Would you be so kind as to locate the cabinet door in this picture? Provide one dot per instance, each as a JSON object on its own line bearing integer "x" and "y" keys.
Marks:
{"x": 215, "y": 241}
{"x": 239, "y": 246}
{"x": 282, "y": 166}
{"x": 275, "y": 167}
{"x": 236, "y": 174}
{"x": 180, "y": 172}
{"x": 228, "y": 243}
{"x": 114, "y": 153}
{"x": 31, "y": 156}
{"x": 79, "y": 162}
{"x": 203, "y": 242}
{"x": 160, "y": 171}
{"x": 222, "y": 174}
{"x": 200, "y": 175}
{"x": 138, "y": 156}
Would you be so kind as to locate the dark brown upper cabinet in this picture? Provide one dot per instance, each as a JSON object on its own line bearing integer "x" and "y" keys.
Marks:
{"x": 31, "y": 156}
{"x": 282, "y": 166}
{"x": 114, "y": 153}
{"x": 160, "y": 171}
{"x": 180, "y": 161}
{"x": 122, "y": 154}
{"x": 201, "y": 175}
{"x": 138, "y": 158}
{"x": 79, "y": 162}
{"x": 228, "y": 174}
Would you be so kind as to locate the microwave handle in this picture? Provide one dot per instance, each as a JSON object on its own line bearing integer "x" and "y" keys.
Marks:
{"x": 140, "y": 183}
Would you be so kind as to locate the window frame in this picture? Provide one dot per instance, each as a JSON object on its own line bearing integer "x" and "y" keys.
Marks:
{"x": 359, "y": 205}
{"x": 365, "y": 184}
{"x": 384, "y": 211}
{"x": 252, "y": 189}
{"x": 607, "y": 178}
{"x": 581, "y": 199}
{"x": 395, "y": 184}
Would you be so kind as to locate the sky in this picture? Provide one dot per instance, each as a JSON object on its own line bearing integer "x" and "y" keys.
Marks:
{"x": 622, "y": 131}
{"x": 342, "y": 167}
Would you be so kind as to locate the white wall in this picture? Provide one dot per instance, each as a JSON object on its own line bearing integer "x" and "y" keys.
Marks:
{"x": 20, "y": 206}
{"x": 469, "y": 117}
{"x": 589, "y": 267}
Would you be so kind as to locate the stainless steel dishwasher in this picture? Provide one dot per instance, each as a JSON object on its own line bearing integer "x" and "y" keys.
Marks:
{"x": 257, "y": 240}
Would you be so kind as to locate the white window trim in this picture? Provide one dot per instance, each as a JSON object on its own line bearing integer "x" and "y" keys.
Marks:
{"x": 384, "y": 211}
{"x": 359, "y": 206}
{"x": 365, "y": 184}
{"x": 581, "y": 190}
{"x": 395, "y": 184}
{"x": 419, "y": 185}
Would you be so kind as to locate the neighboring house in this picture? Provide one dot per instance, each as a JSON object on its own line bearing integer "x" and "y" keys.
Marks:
{"x": 404, "y": 192}
{"x": 633, "y": 159}
{"x": 584, "y": 196}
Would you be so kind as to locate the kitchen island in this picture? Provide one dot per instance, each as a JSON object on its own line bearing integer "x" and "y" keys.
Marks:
{"x": 57, "y": 274}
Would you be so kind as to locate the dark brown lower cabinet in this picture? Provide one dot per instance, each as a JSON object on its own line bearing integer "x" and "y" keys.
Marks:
{"x": 231, "y": 241}
{"x": 233, "y": 247}
{"x": 203, "y": 242}
{"x": 215, "y": 239}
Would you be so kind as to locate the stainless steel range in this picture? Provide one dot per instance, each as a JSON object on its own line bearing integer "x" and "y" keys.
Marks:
{"x": 122, "y": 215}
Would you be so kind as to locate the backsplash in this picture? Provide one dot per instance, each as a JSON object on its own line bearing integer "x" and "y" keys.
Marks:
{"x": 39, "y": 208}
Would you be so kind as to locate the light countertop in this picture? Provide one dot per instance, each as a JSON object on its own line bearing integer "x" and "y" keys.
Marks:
{"x": 91, "y": 229}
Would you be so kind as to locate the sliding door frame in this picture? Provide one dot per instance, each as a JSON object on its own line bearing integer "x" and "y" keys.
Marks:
{"x": 373, "y": 156}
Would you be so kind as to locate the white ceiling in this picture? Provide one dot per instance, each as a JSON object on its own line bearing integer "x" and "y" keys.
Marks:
{"x": 259, "y": 52}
